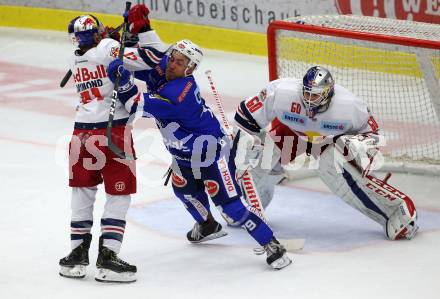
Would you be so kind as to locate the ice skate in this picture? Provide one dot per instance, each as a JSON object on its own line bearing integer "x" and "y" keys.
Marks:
{"x": 206, "y": 231}
{"x": 112, "y": 269}
{"x": 276, "y": 254}
{"x": 74, "y": 265}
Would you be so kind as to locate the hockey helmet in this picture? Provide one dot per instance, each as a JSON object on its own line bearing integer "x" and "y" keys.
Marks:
{"x": 85, "y": 27}
{"x": 192, "y": 51}
{"x": 317, "y": 81}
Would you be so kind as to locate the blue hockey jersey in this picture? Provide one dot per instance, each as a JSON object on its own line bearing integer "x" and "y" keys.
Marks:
{"x": 191, "y": 132}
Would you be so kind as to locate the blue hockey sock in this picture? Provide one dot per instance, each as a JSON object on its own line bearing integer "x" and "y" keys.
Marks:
{"x": 249, "y": 219}
{"x": 196, "y": 204}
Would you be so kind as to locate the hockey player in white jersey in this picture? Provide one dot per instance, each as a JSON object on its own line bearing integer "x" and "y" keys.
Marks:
{"x": 90, "y": 160}
{"x": 325, "y": 120}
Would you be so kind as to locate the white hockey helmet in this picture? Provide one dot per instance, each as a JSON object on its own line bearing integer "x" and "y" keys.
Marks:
{"x": 85, "y": 27}
{"x": 317, "y": 80}
{"x": 192, "y": 51}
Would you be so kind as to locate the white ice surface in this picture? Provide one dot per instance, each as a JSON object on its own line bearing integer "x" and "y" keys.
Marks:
{"x": 346, "y": 255}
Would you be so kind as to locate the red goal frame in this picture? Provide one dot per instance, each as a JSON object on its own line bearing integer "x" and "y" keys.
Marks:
{"x": 284, "y": 25}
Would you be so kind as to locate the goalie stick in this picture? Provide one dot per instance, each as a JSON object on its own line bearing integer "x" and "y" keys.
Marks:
{"x": 108, "y": 133}
{"x": 67, "y": 76}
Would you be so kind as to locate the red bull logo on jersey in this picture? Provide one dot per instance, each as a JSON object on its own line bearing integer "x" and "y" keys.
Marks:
{"x": 262, "y": 95}
{"x": 83, "y": 74}
{"x": 413, "y": 10}
{"x": 226, "y": 177}
{"x": 212, "y": 187}
{"x": 114, "y": 52}
{"x": 86, "y": 79}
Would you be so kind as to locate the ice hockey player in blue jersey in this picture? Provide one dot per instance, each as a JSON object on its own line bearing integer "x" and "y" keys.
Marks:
{"x": 202, "y": 156}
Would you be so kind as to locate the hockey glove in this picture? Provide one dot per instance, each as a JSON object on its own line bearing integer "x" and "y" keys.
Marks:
{"x": 125, "y": 81}
{"x": 111, "y": 32}
{"x": 138, "y": 19}
{"x": 362, "y": 149}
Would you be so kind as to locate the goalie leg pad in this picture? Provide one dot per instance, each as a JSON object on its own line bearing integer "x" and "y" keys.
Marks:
{"x": 402, "y": 224}
{"x": 255, "y": 163}
{"x": 344, "y": 185}
{"x": 373, "y": 197}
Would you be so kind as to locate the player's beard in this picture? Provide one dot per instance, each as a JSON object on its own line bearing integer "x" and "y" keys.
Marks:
{"x": 169, "y": 74}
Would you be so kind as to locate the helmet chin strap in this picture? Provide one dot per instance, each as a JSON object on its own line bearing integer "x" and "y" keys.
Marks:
{"x": 188, "y": 67}
{"x": 186, "y": 70}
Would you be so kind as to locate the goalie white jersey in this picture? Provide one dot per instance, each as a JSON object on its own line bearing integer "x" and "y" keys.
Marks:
{"x": 281, "y": 100}
{"x": 95, "y": 88}
{"x": 341, "y": 165}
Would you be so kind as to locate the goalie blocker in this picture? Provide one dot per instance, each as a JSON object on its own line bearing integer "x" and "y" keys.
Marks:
{"x": 349, "y": 177}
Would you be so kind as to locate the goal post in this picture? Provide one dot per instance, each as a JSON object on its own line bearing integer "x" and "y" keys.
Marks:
{"x": 393, "y": 65}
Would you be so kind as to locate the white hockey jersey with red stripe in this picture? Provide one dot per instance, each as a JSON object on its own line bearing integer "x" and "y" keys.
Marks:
{"x": 91, "y": 79}
{"x": 281, "y": 99}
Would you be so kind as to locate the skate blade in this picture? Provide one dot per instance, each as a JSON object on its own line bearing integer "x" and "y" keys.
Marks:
{"x": 213, "y": 236}
{"x": 109, "y": 276}
{"x": 78, "y": 271}
{"x": 281, "y": 263}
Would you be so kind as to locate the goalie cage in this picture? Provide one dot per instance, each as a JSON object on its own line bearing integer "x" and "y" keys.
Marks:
{"x": 393, "y": 65}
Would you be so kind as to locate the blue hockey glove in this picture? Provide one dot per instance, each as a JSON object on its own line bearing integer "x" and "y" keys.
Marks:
{"x": 116, "y": 67}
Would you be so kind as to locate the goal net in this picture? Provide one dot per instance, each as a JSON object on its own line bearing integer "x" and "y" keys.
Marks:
{"x": 393, "y": 65}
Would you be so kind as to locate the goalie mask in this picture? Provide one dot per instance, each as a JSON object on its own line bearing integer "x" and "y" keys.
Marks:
{"x": 86, "y": 28}
{"x": 317, "y": 91}
{"x": 189, "y": 50}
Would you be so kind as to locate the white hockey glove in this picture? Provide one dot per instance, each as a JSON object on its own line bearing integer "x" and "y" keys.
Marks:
{"x": 248, "y": 149}
{"x": 361, "y": 150}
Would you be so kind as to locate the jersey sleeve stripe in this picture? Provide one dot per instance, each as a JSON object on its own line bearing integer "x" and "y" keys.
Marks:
{"x": 125, "y": 96}
{"x": 244, "y": 123}
{"x": 152, "y": 56}
{"x": 155, "y": 52}
{"x": 150, "y": 59}
{"x": 244, "y": 118}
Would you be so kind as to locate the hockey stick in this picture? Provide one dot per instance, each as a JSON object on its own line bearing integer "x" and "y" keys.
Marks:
{"x": 69, "y": 72}
{"x": 66, "y": 78}
{"x": 218, "y": 100}
{"x": 249, "y": 188}
{"x": 108, "y": 133}
{"x": 247, "y": 182}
